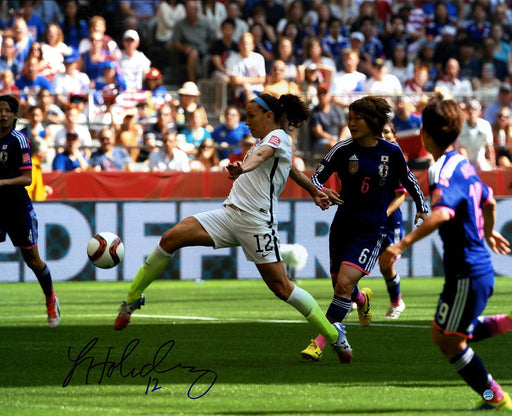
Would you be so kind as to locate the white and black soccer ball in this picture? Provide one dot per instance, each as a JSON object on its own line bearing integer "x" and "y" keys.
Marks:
{"x": 105, "y": 250}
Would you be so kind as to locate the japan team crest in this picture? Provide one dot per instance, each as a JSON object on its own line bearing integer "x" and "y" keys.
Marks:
{"x": 3, "y": 154}
{"x": 353, "y": 164}
{"x": 384, "y": 167}
{"x": 383, "y": 170}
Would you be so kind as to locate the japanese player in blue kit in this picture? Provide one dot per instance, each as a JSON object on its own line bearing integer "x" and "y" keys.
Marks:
{"x": 464, "y": 211}
{"x": 17, "y": 216}
{"x": 370, "y": 170}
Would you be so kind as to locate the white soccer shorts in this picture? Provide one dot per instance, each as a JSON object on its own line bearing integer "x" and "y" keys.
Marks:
{"x": 230, "y": 227}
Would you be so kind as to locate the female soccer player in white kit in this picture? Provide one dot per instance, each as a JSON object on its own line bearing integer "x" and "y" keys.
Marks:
{"x": 248, "y": 216}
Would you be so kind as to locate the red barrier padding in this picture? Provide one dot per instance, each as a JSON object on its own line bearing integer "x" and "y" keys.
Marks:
{"x": 196, "y": 185}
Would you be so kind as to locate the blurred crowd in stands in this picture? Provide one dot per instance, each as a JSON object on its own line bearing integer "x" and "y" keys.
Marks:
{"x": 120, "y": 84}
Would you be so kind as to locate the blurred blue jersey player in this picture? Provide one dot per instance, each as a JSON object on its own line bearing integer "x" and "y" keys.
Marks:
{"x": 17, "y": 215}
{"x": 370, "y": 169}
{"x": 464, "y": 210}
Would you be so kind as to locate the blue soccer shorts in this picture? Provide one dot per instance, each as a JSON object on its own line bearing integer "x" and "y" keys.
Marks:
{"x": 360, "y": 250}
{"x": 461, "y": 302}
{"x": 21, "y": 226}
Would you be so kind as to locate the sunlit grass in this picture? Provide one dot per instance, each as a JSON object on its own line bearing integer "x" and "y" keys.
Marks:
{"x": 242, "y": 338}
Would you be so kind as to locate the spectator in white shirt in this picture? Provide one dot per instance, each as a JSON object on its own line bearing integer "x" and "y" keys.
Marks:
{"x": 169, "y": 12}
{"x": 71, "y": 125}
{"x": 476, "y": 141}
{"x": 450, "y": 80}
{"x": 399, "y": 63}
{"x": 383, "y": 83}
{"x": 72, "y": 81}
{"x": 133, "y": 63}
{"x": 214, "y": 12}
{"x": 169, "y": 157}
{"x": 54, "y": 49}
{"x": 348, "y": 81}
{"x": 246, "y": 70}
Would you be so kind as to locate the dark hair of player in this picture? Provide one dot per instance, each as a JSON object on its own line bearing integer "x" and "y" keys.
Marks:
{"x": 375, "y": 110}
{"x": 12, "y": 101}
{"x": 13, "y": 105}
{"x": 288, "y": 104}
{"x": 442, "y": 120}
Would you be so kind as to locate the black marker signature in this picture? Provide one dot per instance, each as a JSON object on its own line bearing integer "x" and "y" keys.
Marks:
{"x": 110, "y": 367}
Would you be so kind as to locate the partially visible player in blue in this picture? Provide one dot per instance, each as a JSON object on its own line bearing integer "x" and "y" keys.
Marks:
{"x": 464, "y": 211}
{"x": 395, "y": 234}
{"x": 369, "y": 169}
{"x": 17, "y": 215}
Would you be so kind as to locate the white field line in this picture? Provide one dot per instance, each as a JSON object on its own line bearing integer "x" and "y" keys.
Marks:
{"x": 210, "y": 319}
{"x": 266, "y": 321}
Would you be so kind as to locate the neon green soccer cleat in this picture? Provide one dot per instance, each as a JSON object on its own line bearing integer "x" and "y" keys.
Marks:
{"x": 313, "y": 352}
{"x": 365, "y": 311}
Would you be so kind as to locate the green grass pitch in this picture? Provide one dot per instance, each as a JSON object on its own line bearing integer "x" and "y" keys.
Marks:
{"x": 235, "y": 345}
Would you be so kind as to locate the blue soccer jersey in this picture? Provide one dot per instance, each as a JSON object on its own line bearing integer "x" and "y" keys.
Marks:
{"x": 369, "y": 176}
{"x": 17, "y": 216}
{"x": 15, "y": 156}
{"x": 456, "y": 188}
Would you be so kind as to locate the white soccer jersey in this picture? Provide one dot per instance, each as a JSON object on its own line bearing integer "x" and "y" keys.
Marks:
{"x": 256, "y": 192}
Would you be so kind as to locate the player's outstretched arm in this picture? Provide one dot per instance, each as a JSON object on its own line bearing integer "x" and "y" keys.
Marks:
{"x": 321, "y": 198}
{"x": 497, "y": 243}
{"x": 395, "y": 203}
{"x": 334, "y": 196}
{"x": 429, "y": 225}
{"x": 25, "y": 179}
{"x": 255, "y": 159}
{"x": 410, "y": 183}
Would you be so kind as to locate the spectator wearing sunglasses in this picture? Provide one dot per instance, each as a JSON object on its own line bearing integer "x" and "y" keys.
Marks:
{"x": 206, "y": 157}
{"x": 109, "y": 157}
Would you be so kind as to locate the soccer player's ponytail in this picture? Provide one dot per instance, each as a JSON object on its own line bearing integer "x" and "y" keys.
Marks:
{"x": 295, "y": 109}
{"x": 288, "y": 105}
